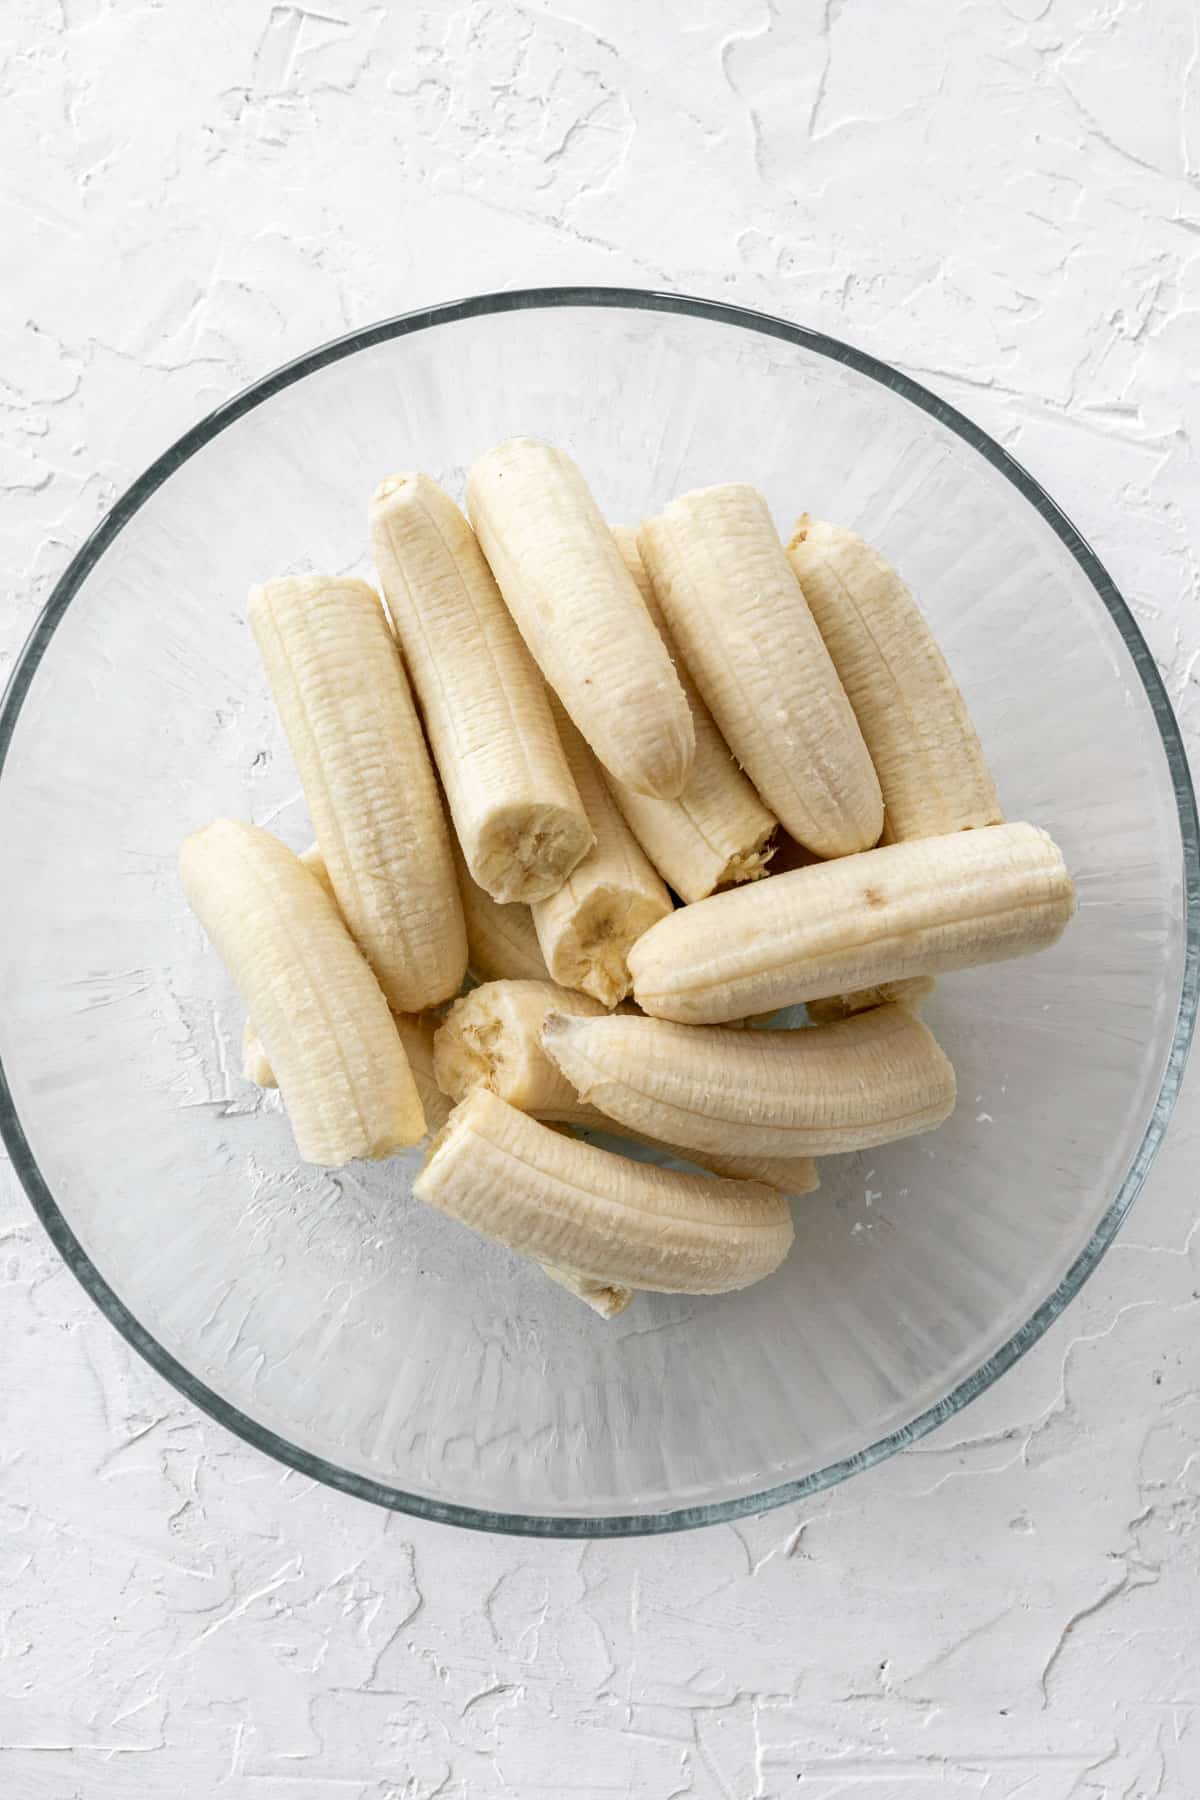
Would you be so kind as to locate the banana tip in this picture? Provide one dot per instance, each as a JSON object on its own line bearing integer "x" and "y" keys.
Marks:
{"x": 391, "y": 484}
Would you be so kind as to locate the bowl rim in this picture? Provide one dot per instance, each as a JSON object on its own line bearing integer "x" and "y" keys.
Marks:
{"x": 802, "y": 337}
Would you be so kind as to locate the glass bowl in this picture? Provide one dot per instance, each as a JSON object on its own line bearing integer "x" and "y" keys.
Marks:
{"x": 329, "y": 1318}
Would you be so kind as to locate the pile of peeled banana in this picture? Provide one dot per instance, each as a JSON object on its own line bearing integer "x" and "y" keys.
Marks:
{"x": 561, "y": 757}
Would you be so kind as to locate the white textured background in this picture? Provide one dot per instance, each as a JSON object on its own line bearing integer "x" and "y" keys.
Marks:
{"x": 1004, "y": 198}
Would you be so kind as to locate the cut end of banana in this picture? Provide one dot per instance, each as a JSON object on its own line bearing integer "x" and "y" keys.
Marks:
{"x": 601, "y": 1296}
{"x": 748, "y": 865}
{"x": 525, "y": 853}
{"x": 469, "y": 1053}
{"x": 592, "y": 952}
{"x": 491, "y": 1038}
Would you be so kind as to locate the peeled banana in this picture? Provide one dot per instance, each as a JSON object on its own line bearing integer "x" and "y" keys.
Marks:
{"x": 325, "y": 1024}
{"x": 603, "y": 1217}
{"x": 608, "y": 901}
{"x": 255, "y": 1064}
{"x": 357, "y": 743}
{"x": 738, "y": 616}
{"x": 718, "y": 832}
{"x": 924, "y": 747}
{"x": 916, "y": 908}
{"x": 579, "y": 612}
{"x": 609, "y": 712}
{"x": 502, "y": 944}
{"x": 416, "y": 1034}
{"x": 813, "y": 1092}
{"x": 492, "y": 1038}
{"x": 843, "y": 1006}
{"x": 515, "y": 809}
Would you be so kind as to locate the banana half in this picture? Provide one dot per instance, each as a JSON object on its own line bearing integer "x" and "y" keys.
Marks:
{"x": 914, "y": 719}
{"x": 817, "y": 1091}
{"x": 738, "y": 614}
{"x": 918, "y": 908}
{"x": 325, "y": 1027}
{"x": 613, "y": 1222}
{"x": 357, "y": 743}
{"x": 579, "y": 612}
{"x": 514, "y": 805}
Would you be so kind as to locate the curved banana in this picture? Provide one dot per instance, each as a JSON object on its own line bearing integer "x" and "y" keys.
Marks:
{"x": 867, "y": 1081}
{"x": 602, "y": 1296}
{"x": 492, "y": 1038}
{"x": 579, "y": 612}
{"x": 325, "y": 1024}
{"x": 718, "y": 832}
{"x": 916, "y": 725}
{"x": 358, "y": 747}
{"x": 918, "y": 908}
{"x": 613, "y": 1221}
{"x": 515, "y": 809}
{"x": 608, "y": 901}
{"x": 738, "y": 615}
{"x": 908, "y": 993}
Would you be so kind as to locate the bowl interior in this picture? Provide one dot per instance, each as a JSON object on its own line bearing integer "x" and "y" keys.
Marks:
{"x": 332, "y": 1309}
